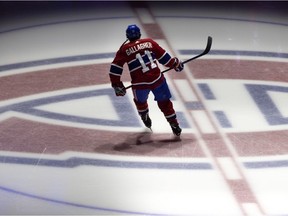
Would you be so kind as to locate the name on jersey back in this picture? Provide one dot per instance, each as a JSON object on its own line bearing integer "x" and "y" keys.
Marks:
{"x": 141, "y": 46}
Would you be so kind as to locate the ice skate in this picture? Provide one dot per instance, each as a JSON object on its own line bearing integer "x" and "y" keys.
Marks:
{"x": 147, "y": 121}
{"x": 176, "y": 129}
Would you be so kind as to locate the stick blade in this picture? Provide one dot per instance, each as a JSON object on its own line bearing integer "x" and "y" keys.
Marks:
{"x": 207, "y": 49}
{"x": 209, "y": 44}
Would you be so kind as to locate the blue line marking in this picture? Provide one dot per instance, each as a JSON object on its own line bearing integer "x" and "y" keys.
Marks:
{"x": 77, "y": 161}
{"x": 236, "y": 53}
{"x": 266, "y": 164}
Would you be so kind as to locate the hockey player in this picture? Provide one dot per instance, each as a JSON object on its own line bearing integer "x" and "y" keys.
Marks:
{"x": 141, "y": 55}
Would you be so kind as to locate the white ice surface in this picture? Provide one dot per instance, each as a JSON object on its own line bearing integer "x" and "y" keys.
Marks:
{"x": 142, "y": 190}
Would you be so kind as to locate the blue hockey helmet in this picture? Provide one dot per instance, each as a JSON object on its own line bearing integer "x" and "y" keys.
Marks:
{"x": 133, "y": 32}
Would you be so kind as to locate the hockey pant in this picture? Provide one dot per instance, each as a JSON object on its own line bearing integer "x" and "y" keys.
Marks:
{"x": 162, "y": 95}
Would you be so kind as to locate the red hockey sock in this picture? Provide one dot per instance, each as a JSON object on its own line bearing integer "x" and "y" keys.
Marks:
{"x": 141, "y": 107}
{"x": 167, "y": 108}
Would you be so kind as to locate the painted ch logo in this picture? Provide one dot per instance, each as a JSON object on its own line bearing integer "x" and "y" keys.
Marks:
{"x": 97, "y": 107}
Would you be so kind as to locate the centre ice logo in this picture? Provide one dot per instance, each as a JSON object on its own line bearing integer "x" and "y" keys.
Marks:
{"x": 232, "y": 102}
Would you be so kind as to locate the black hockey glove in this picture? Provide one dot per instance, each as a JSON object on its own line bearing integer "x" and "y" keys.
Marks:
{"x": 119, "y": 89}
{"x": 178, "y": 65}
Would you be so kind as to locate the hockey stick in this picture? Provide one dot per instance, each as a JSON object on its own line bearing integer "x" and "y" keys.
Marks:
{"x": 207, "y": 49}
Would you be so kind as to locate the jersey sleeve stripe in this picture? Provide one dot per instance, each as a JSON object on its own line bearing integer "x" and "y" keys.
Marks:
{"x": 164, "y": 59}
{"x": 116, "y": 69}
{"x": 115, "y": 74}
{"x": 162, "y": 56}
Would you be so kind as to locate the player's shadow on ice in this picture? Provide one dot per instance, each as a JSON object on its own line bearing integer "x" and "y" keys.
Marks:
{"x": 146, "y": 139}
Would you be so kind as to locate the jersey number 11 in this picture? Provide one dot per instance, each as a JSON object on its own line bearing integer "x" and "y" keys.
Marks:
{"x": 145, "y": 68}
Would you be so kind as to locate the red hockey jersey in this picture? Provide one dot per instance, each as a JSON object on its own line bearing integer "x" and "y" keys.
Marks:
{"x": 141, "y": 56}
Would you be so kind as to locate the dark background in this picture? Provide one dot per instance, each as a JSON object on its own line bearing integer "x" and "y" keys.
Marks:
{"x": 17, "y": 9}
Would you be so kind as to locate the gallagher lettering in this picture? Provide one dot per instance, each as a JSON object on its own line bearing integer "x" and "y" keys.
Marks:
{"x": 141, "y": 46}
